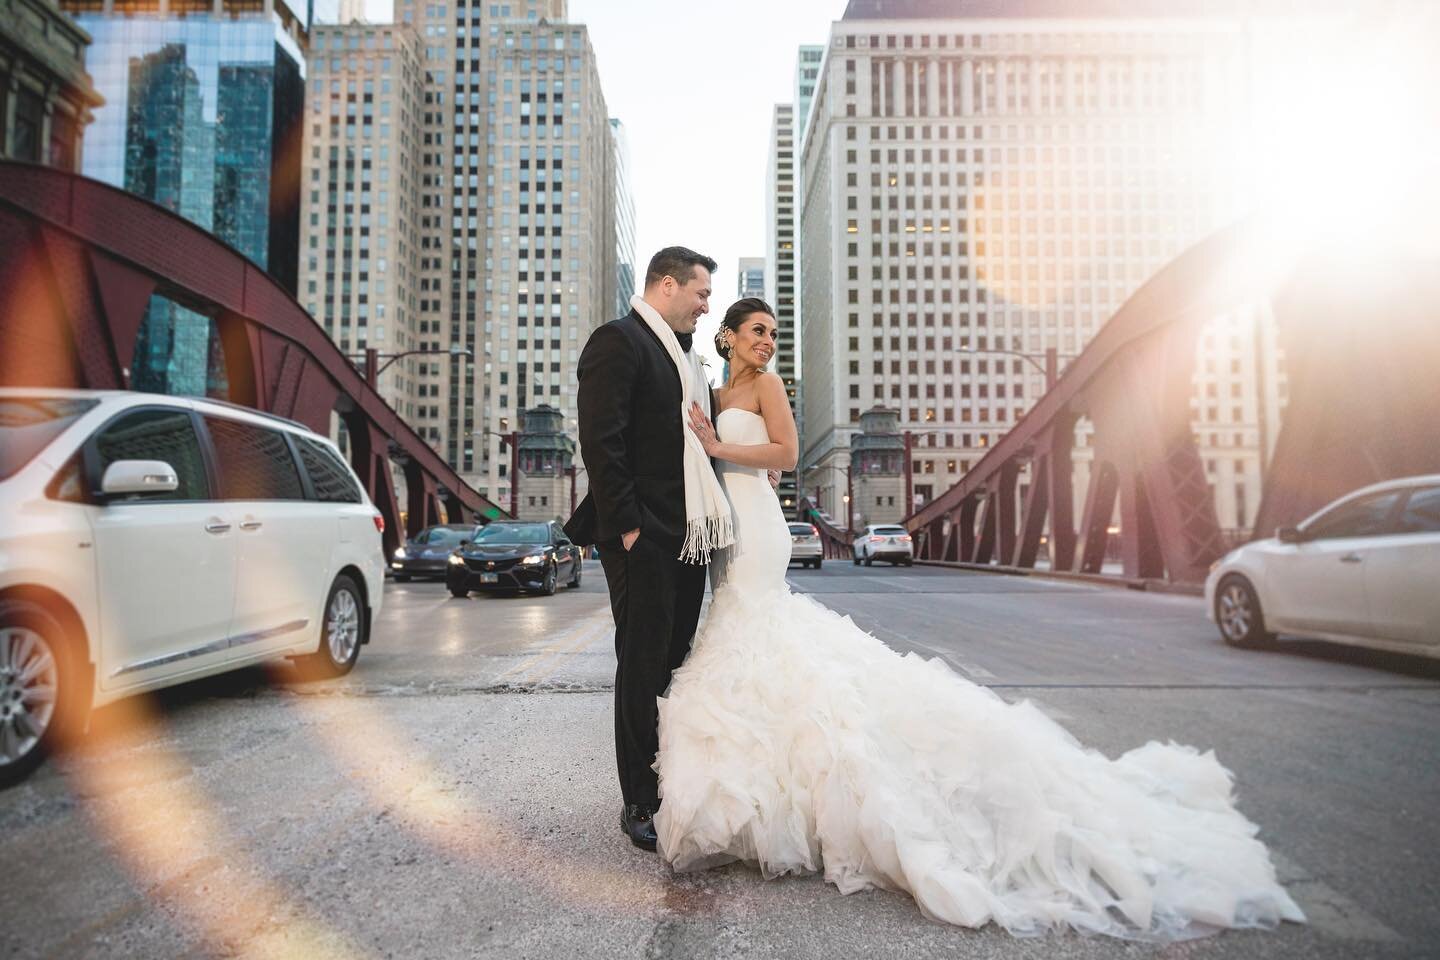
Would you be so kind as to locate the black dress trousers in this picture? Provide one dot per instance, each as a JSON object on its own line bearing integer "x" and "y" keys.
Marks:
{"x": 656, "y": 602}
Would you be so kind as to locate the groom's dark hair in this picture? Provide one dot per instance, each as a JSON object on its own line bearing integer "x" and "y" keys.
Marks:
{"x": 677, "y": 262}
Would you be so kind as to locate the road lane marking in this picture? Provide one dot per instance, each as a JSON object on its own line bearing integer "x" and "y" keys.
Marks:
{"x": 555, "y": 647}
{"x": 589, "y": 632}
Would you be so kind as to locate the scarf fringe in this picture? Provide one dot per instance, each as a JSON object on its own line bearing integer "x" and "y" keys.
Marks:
{"x": 704, "y": 535}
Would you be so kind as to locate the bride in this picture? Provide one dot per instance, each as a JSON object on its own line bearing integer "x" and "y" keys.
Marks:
{"x": 793, "y": 740}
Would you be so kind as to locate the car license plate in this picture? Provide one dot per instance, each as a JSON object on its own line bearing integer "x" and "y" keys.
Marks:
{"x": 489, "y": 578}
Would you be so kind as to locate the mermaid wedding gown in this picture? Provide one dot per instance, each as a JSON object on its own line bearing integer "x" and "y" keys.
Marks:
{"x": 794, "y": 740}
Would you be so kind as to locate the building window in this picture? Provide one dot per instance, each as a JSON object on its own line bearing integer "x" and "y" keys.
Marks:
{"x": 29, "y": 115}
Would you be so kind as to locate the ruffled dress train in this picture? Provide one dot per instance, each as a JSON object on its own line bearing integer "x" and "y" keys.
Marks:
{"x": 793, "y": 740}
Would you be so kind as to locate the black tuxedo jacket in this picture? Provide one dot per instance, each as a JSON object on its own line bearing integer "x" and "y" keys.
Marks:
{"x": 631, "y": 438}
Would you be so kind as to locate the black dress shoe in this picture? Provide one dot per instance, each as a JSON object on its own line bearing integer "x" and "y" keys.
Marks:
{"x": 638, "y": 822}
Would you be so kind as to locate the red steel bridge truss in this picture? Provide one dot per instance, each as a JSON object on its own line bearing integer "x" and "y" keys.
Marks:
{"x": 79, "y": 262}
{"x": 1361, "y": 346}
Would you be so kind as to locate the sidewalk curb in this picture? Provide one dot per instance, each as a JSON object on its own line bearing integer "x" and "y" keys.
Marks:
{"x": 1147, "y": 584}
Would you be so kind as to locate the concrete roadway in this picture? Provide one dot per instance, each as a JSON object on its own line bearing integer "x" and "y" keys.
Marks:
{"x": 455, "y": 795}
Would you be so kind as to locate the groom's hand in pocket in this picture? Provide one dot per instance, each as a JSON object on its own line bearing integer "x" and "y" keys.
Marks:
{"x": 627, "y": 540}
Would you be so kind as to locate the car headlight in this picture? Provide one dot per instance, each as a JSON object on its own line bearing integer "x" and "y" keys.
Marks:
{"x": 456, "y": 560}
{"x": 400, "y": 554}
{"x": 534, "y": 559}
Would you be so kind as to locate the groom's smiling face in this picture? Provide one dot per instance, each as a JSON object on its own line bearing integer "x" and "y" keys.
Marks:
{"x": 689, "y": 301}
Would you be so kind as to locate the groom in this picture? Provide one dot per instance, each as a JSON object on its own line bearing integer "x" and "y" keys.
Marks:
{"x": 632, "y": 441}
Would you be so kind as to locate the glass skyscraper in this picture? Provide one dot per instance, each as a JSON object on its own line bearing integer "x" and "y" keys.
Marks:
{"x": 202, "y": 116}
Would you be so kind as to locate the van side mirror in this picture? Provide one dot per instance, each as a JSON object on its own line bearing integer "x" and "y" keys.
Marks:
{"x": 139, "y": 476}
{"x": 1290, "y": 535}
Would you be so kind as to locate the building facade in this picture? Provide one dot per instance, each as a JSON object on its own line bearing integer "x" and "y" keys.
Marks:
{"x": 998, "y": 182}
{"x": 46, "y": 97}
{"x": 624, "y": 220}
{"x": 202, "y": 115}
{"x": 518, "y": 231}
{"x": 780, "y": 283}
{"x": 360, "y": 206}
{"x": 750, "y": 277}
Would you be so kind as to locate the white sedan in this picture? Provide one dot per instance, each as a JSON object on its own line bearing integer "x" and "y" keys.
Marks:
{"x": 1364, "y": 571}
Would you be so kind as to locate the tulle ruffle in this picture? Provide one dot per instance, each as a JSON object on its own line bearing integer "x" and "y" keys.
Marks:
{"x": 793, "y": 740}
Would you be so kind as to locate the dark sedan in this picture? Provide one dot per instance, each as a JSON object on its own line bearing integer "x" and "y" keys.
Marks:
{"x": 427, "y": 554}
{"x": 514, "y": 555}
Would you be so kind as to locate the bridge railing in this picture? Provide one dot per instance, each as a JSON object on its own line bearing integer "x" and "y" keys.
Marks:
{"x": 835, "y": 540}
{"x": 1134, "y": 384}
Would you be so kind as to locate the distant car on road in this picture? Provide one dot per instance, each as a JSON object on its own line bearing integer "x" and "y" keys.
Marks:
{"x": 1364, "y": 571}
{"x": 884, "y": 541}
{"x": 149, "y": 540}
{"x": 805, "y": 546}
{"x": 514, "y": 555}
{"x": 427, "y": 554}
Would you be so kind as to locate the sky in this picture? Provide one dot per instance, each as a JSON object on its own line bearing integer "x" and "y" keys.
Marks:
{"x": 695, "y": 85}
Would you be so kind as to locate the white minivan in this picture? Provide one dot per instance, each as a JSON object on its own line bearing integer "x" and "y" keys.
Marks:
{"x": 149, "y": 540}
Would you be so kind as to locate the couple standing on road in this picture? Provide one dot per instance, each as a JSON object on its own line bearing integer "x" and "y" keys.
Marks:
{"x": 789, "y": 738}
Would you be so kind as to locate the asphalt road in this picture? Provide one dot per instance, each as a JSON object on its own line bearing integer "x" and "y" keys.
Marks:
{"x": 455, "y": 795}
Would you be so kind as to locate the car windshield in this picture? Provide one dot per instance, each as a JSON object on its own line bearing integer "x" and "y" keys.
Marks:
{"x": 28, "y": 424}
{"x": 500, "y": 533}
{"x": 800, "y": 529}
{"x": 891, "y": 531}
{"x": 444, "y": 536}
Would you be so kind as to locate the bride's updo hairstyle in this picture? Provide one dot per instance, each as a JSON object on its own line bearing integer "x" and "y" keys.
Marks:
{"x": 735, "y": 316}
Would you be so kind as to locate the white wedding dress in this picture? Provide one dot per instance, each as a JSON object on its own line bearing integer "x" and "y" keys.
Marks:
{"x": 792, "y": 739}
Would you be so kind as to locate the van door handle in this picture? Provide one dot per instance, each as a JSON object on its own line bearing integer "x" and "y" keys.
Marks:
{"x": 216, "y": 525}
{"x": 1351, "y": 558}
{"x": 251, "y": 524}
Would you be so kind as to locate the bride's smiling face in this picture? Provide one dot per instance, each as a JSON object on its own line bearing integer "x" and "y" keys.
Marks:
{"x": 754, "y": 342}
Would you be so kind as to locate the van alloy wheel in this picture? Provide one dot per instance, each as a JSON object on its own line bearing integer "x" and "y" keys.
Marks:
{"x": 342, "y": 625}
{"x": 29, "y": 686}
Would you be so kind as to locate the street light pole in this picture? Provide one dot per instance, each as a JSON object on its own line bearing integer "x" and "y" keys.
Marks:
{"x": 1051, "y": 366}
{"x": 909, "y": 474}
{"x": 373, "y": 367}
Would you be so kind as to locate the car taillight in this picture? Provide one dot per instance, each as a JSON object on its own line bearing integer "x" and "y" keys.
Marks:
{"x": 379, "y": 523}
{"x": 814, "y": 531}
{"x": 905, "y": 539}
{"x": 877, "y": 539}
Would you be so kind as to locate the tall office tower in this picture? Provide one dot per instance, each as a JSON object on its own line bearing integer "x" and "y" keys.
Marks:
{"x": 750, "y": 277}
{"x": 42, "y": 73}
{"x": 780, "y": 271}
{"x": 995, "y": 181}
{"x": 624, "y": 220}
{"x": 807, "y": 75}
{"x": 202, "y": 115}
{"x": 360, "y": 203}
{"x": 517, "y": 246}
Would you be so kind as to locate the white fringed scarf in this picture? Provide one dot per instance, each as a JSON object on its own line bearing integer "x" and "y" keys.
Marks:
{"x": 709, "y": 524}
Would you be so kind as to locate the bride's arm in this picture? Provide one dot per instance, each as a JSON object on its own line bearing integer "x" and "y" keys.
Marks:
{"x": 784, "y": 447}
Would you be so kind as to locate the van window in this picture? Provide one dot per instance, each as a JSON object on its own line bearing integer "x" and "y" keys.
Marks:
{"x": 253, "y": 463}
{"x": 155, "y": 434}
{"x": 27, "y": 424}
{"x": 329, "y": 476}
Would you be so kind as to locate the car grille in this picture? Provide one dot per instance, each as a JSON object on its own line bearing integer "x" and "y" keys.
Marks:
{"x": 484, "y": 566}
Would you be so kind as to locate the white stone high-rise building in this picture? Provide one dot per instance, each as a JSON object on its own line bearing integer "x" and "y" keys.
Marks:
{"x": 518, "y": 226}
{"x": 625, "y": 265}
{"x": 360, "y": 197}
{"x": 1003, "y": 181}
{"x": 780, "y": 285}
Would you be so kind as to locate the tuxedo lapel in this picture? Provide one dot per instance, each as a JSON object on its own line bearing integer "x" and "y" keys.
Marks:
{"x": 665, "y": 361}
